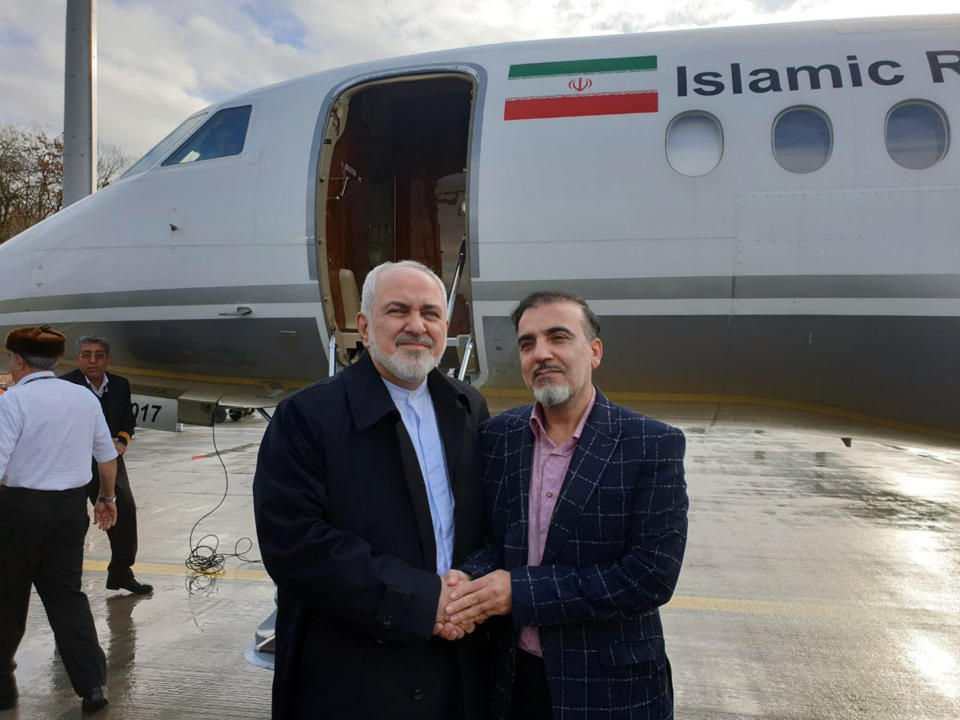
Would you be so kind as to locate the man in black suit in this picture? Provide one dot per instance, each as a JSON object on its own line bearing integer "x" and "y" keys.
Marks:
{"x": 113, "y": 391}
{"x": 366, "y": 492}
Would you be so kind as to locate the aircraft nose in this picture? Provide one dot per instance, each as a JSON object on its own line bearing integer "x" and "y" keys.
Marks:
{"x": 15, "y": 279}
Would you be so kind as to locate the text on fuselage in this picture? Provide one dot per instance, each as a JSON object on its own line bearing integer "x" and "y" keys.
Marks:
{"x": 810, "y": 77}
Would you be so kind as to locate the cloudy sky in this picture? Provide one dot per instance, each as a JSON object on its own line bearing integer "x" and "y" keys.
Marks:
{"x": 160, "y": 60}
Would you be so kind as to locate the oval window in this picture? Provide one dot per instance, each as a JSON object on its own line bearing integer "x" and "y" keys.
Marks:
{"x": 694, "y": 143}
{"x": 916, "y": 134}
{"x": 802, "y": 139}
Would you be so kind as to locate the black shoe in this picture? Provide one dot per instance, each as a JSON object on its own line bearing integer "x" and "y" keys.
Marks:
{"x": 94, "y": 699}
{"x": 8, "y": 692}
{"x": 130, "y": 584}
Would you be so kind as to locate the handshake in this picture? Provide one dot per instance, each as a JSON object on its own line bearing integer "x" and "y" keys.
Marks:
{"x": 465, "y": 603}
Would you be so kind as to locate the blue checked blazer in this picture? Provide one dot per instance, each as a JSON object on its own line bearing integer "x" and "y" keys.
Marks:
{"x": 611, "y": 559}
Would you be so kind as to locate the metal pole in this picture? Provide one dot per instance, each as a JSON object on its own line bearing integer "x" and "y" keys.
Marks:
{"x": 467, "y": 351}
{"x": 80, "y": 101}
{"x": 332, "y": 353}
{"x": 461, "y": 259}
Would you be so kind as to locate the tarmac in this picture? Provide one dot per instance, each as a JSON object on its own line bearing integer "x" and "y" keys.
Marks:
{"x": 820, "y": 581}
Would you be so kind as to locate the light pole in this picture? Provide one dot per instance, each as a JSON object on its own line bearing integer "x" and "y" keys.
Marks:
{"x": 80, "y": 101}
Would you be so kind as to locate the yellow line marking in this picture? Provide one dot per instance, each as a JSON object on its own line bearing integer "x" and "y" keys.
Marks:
{"x": 145, "y": 374}
{"x": 678, "y": 602}
{"x": 524, "y": 396}
{"x": 797, "y": 609}
{"x": 182, "y": 571}
{"x": 754, "y": 607}
{"x": 713, "y": 399}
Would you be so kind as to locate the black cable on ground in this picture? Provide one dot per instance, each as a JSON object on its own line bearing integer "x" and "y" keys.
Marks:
{"x": 205, "y": 557}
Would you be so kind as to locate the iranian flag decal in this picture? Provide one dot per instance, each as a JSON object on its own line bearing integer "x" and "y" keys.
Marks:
{"x": 575, "y": 88}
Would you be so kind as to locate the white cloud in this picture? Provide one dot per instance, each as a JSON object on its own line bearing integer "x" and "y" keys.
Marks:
{"x": 160, "y": 60}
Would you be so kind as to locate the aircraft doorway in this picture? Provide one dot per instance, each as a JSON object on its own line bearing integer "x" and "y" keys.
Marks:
{"x": 394, "y": 174}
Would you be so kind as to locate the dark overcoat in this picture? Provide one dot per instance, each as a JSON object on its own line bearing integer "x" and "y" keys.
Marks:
{"x": 345, "y": 531}
{"x": 611, "y": 558}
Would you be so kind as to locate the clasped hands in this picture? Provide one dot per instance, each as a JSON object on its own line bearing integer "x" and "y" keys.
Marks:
{"x": 465, "y": 603}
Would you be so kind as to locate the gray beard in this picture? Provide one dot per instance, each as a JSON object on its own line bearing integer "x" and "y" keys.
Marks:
{"x": 411, "y": 369}
{"x": 550, "y": 395}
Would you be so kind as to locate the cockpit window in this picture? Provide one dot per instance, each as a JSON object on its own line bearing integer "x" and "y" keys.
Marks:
{"x": 163, "y": 147}
{"x": 222, "y": 135}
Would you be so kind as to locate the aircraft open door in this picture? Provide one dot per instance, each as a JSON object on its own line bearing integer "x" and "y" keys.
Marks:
{"x": 393, "y": 185}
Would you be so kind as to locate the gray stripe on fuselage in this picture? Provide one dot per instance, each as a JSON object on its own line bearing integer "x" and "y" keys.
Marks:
{"x": 765, "y": 286}
{"x": 898, "y": 369}
{"x": 849, "y": 286}
{"x": 272, "y": 350}
{"x": 305, "y": 293}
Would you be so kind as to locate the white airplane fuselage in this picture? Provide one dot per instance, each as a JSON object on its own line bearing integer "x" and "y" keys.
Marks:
{"x": 722, "y": 278}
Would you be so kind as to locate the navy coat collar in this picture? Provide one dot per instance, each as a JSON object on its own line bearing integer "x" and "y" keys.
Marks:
{"x": 370, "y": 400}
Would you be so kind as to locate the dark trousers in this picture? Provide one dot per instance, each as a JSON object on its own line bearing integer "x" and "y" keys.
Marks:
{"x": 123, "y": 535}
{"x": 449, "y": 685}
{"x": 41, "y": 536}
{"x": 531, "y": 694}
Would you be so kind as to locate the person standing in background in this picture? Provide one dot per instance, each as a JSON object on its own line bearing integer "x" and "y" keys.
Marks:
{"x": 113, "y": 391}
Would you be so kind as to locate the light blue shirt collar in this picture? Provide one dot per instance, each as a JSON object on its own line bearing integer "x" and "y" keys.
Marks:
{"x": 401, "y": 394}
{"x": 420, "y": 420}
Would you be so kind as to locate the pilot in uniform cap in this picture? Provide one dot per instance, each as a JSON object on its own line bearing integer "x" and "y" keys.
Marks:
{"x": 40, "y": 341}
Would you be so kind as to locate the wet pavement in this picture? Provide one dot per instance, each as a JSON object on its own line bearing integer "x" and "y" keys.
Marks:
{"x": 820, "y": 582}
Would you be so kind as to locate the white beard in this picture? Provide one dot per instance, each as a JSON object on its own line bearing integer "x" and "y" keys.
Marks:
{"x": 411, "y": 368}
{"x": 550, "y": 395}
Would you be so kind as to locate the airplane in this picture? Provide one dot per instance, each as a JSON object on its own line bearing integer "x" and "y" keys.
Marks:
{"x": 765, "y": 219}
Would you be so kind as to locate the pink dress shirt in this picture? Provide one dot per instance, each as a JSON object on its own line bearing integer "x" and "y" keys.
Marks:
{"x": 550, "y": 464}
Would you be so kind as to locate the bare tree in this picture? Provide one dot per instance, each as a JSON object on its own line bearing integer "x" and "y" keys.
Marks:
{"x": 45, "y": 176}
{"x": 31, "y": 176}
{"x": 29, "y": 172}
{"x": 111, "y": 163}
{"x": 10, "y": 164}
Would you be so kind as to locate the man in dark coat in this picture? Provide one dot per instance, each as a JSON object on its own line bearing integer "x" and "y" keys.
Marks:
{"x": 587, "y": 508}
{"x": 366, "y": 492}
{"x": 113, "y": 391}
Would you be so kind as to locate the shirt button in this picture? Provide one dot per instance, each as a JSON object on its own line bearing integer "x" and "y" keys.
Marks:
{"x": 418, "y": 694}
{"x": 549, "y": 494}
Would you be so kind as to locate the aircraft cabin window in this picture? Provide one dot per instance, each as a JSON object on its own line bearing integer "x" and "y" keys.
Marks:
{"x": 694, "y": 143}
{"x": 220, "y": 136}
{"x": 802, "y": 139}
{"x": 917, "y": 134}
{"x": 163, "y": 147}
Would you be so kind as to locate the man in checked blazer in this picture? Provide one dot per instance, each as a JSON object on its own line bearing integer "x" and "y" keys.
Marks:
{"x": 587, "y": 511}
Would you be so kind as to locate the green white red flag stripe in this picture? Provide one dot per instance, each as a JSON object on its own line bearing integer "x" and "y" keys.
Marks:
{"x": 594, "y": 66}
{"x": 580, "y": 105}
{"x": 560, "y": 89}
